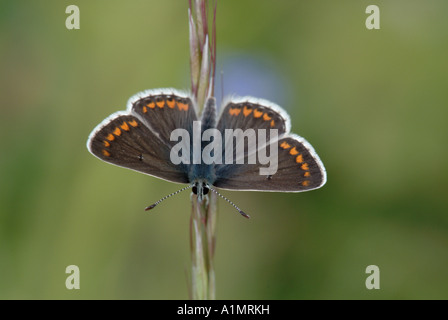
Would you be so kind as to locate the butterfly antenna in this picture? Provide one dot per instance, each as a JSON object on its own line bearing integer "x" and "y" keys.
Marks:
{"x": 166, "y": 197}
{"x": 234, "y": 205}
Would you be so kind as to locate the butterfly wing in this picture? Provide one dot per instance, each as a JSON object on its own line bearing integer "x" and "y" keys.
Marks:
{"x": 251, "y": 113}
{"x": 139, "y": 138}
{"x": 298, "y": 165}
{"x": 164, "y": 110}
{"x": 299, "y": 169}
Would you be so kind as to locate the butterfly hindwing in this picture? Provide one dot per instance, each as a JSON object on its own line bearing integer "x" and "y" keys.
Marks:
{"x": 244, "y": 119}
{"x": 252, "y": 113}
{"x": 164, "y": 111}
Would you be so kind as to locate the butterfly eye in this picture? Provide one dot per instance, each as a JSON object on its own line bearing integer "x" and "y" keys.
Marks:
{"x": 195, "y": 190}
{"x": 205, "y": 189}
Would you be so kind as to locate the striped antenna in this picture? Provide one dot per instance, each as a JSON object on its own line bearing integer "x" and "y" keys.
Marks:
{"x": 234, "y": 205}
{"x": 166, "y": 197}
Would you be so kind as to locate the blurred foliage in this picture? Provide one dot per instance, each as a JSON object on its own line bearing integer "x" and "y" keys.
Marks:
{"x": 372, "y": 103}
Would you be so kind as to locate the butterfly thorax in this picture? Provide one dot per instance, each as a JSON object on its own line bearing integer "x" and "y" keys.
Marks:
{"x": 202, "y": 172}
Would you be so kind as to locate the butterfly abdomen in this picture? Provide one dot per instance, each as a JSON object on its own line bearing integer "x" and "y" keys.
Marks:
{"x": 204, "y": 171}
{"x": 208, "y": 119}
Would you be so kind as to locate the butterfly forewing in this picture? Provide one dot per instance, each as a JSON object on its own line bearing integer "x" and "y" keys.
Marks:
{"x": 299, "y": 169}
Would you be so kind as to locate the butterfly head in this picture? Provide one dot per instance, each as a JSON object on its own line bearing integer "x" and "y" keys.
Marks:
{"x": 201, "y": 189}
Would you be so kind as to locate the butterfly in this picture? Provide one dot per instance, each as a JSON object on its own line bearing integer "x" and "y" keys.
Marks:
{"x": 142, "y": 139}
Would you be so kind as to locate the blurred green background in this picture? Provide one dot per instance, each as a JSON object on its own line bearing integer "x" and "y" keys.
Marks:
{"x": 372, "y": 102}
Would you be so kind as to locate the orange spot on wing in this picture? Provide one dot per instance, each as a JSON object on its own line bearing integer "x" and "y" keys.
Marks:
{"x": 133, "y": 123}
{"x": 258, "y": 114}
{"x": 106, "y": 153}
{"x": 306, "y": 183}
{"x": 247, "y": 111}
{"x": 305, "y": 166}
{"x": 124, "y": 126}
{"x": 182, "y": 106}
{"x": 144, "y": 109}
{"x": 110, "y": 137}
{"x": 106, "y": 143}
{"x": 293, "y": 151}
{"x": 272, "y": 123}
{"x": 151, "y": 105}
{"x": 170, "y": 103}
{"x": 266, "y": 117}
{"x": 161, "y": 103}
{"x": 117, "y": 131}
{"x": 234, "y": 111}
{"x": 285, "y": 145}
{"x": 299, "y": 158}
{"x": 307, "y": 174}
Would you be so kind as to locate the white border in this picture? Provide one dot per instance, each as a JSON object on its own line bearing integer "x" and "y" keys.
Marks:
{"x": 156, "y": 92}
